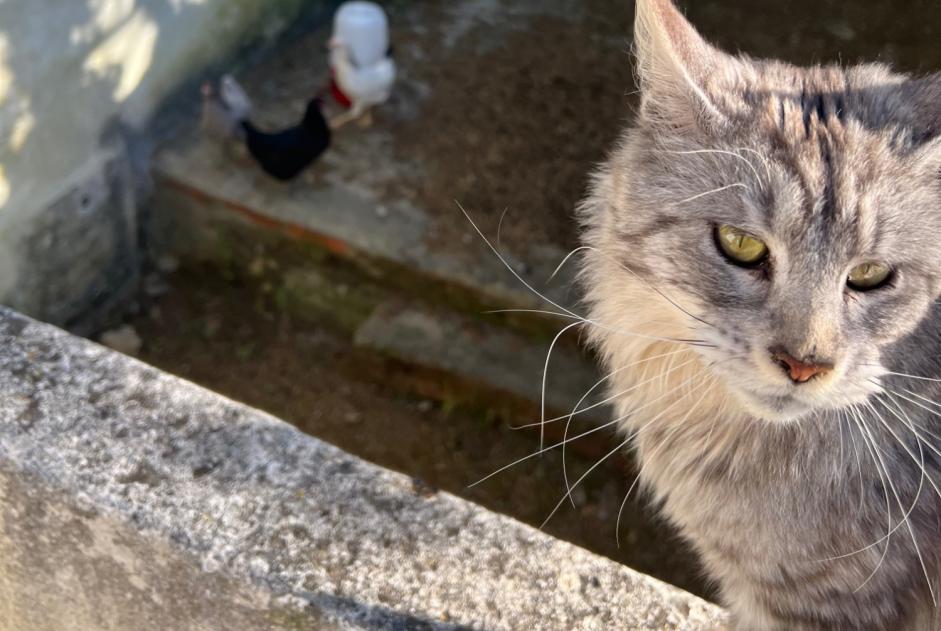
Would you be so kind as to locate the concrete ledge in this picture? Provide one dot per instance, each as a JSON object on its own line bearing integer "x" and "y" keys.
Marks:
{"x": 132, "y": 499}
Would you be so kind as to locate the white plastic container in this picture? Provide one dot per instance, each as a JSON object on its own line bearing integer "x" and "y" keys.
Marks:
{"x": 364, "y": 28}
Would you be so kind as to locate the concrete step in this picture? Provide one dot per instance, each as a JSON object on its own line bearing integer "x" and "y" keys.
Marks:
{"x": 478, "y": 353}
{"x": 461, "y": 360}
{"x": 448, "y": 348}
{"x": 379, "y": 237}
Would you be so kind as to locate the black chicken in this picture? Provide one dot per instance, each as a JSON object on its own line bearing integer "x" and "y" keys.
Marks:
{"x": 281, "y": 154}
{"x": 286, "y": 153}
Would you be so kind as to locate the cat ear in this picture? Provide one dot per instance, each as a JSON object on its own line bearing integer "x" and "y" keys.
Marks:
{"x": 674, "y": 65}
{"x": 922, "y": 98}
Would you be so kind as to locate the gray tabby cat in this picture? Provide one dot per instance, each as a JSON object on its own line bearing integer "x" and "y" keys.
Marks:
{"x": 762, "y": 266}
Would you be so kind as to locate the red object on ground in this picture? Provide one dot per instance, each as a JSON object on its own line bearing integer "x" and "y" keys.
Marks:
{"x": 338, "y": 95}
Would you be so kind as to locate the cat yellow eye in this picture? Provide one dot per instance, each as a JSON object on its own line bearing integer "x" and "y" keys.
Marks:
{"x": 741, "y": 247}
{"x": 868, "y": 276}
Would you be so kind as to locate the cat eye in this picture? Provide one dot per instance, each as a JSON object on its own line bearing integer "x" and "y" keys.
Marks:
{"x": 740, "y": 247}
{"x": 868, "y": 276}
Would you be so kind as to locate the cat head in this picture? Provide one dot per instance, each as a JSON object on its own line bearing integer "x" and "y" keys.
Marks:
{"x": 784, "y": 222}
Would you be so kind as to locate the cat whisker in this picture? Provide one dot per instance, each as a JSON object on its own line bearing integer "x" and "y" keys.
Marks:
{"x": 560, "y": 444}
{"x": 569, "y": 440}
{"x": 857, "y": 418}
{"x": 566, "y": 260}
{"x": 509, "y": 267}
{"x": 669, "y": 369}
{"x": 927, "y": 409}
{"x": 902, "y": 374}
{"x": 761, "y": 158}
{"x": 859, "y": 466}
{"x": 576, "y": 410}
{"x": 905, "y": 520}
{"x": 721, "y": 152}
{"x": 500, "y": 224}
{"x": 617, "y": 524}
{"x": 609, "y": 329}
{"x": 914, "y": 427}
{"x": 568, "y": 492}
{"x": 925, "y": 432}
{"x": 930, "y": 481}
{"x": 649, "y": 286}
{"x": 839, "y": 420}
{"x": 923, "y": 398}
{"x": 567, "y": 314}
{"x": 545, "y": 375}
{"x": 620, "y": 446}
{"x": 565, "y": 476}
{"x": 920, "y": 461}
{"x": 712, "y": 192}
{"x": 542, "y": 451}
{"x": 907, "y": 422}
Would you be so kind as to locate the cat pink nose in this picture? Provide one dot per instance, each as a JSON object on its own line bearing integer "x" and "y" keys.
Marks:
{"x": 800, "y": 371}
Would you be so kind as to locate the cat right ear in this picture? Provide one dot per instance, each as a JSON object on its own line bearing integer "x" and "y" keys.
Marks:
{"x": 674, "y": 67}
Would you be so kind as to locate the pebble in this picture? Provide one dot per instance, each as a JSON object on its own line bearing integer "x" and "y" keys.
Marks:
{"x": 842, "y": 31}
{"x": 211, "y": 327}
{"x": 570, "y": 582}
{"x": 123, "y": 339}
{"x": 259, "y": 567}
{"x": 167, "y": 264}
{"x": 155, "y": 286}
{"x": 257, "y": 266}
{"x": 579, "y": 496}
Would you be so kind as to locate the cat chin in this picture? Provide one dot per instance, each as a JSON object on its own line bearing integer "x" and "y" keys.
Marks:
{"x": 781, "y": 409}
{"x": 775, "y": 409}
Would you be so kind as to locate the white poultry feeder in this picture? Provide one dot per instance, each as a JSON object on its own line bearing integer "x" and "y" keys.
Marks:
{"x": 362, "y": 29}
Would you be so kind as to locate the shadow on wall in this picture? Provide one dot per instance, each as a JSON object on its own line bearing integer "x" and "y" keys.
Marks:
{"x": 76, "y": 77}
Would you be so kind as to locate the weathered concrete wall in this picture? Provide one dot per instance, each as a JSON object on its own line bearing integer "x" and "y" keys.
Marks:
{"x": 73, "y": 73}
{"x": 130, "y": 499}
{"x": 66, "y": 568}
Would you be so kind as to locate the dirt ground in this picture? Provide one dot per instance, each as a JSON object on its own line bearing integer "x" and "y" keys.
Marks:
{"x": 516, "y": 119}
{"x": 311, "y": 377}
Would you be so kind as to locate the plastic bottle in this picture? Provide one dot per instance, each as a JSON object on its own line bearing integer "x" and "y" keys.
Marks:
{"x": 364, "y": 29}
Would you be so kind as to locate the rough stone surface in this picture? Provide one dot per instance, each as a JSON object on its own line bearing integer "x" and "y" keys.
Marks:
{"x": 82, "y": 250}
{"x": 64, "y": 566}
{"x": 144, "y": 483}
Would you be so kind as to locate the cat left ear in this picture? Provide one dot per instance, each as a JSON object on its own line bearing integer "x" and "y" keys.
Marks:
{"x": 923, "y": 97}
{"x": 674, "y": 66}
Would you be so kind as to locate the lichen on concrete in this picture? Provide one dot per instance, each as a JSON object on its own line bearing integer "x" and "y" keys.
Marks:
{"x": 114, "y": 469}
